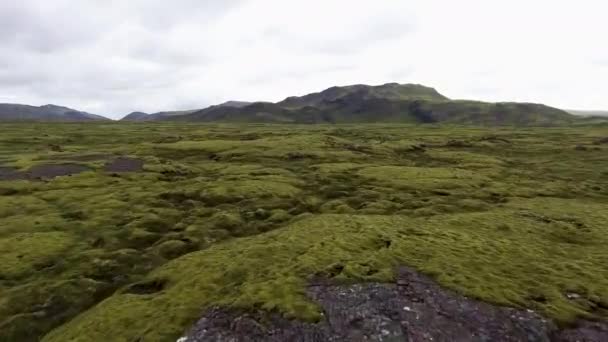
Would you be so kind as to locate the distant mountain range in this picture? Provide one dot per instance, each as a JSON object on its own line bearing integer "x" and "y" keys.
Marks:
{"x": 588, "y": 112}
{"x": 391, "y": 102}
{"x": 19, "y": 112}
{"x": 161, "y": 116}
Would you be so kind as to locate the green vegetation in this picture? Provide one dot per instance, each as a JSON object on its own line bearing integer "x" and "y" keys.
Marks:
{"x": 246, "y": 215}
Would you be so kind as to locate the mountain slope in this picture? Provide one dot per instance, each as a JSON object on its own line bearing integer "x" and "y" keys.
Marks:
{"x": 386, "y": 103}
{"x": 19, "y": 112}
{"x": 483, "y": 113}
{"x": 389, "y": 91}
{"x": 255, "y": 112}
{"x": 588, "y": 112}
{"x": 178, "y": 115}
{"x": 237, "y": 104}
{"x": 135, "y": 116}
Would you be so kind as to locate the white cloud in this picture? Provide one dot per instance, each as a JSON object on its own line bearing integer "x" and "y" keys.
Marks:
{"x": 113, "y": 57}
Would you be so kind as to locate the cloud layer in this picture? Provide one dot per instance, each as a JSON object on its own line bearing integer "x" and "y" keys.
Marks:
{"x": 112, "y": 57}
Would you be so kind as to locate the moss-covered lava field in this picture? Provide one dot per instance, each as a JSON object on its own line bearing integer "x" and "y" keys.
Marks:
{"x": 128, "y": 232}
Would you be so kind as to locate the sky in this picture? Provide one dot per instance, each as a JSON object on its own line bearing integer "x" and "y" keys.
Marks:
{"x": 112, "y": 57}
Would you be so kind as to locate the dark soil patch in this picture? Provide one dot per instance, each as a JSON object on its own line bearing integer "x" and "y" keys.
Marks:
{"x": 124, "y": 164}
{"x": 601, "y": 141}
{"x": 413, "y": 309}
{"x": 9, "y": 173}
{"x": 54, "y": 170}
{"x": 45, "y": 171}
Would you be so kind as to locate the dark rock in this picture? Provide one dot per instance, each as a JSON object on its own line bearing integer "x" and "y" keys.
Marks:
{"x": 458, "y": 143}
{"x": 47, "y": 171}
{"x": 10, "y": 173}
{"x": 413, "y": 309}
{"x": 124, "y": 164}
{"x": 584, "y": 332}
{"x": 601, "y": 141}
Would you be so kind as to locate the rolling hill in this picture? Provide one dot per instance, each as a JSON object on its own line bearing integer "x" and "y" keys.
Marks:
{"x": 20, "y": 112}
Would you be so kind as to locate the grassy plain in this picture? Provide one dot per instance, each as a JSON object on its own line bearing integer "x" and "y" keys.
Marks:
{"x": 244, "y": 215}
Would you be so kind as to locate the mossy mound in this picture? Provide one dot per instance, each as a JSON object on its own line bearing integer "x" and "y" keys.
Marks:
{"x": 467, "y": 159}
{"x": 423, "y": 177}
{"x": 234, "y": 191}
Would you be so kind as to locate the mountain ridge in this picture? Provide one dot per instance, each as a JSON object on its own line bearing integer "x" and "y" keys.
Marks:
{"x": 390, "y": 91}
{"x": 165, "y": 115}
{"x": 49, "y": 112}
{"x": 390, "y": 102}
{"x": 358, "y": 103}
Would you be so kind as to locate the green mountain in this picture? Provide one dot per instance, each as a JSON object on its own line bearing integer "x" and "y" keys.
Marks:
{"x": 136, "y": 116}
{"x": 164, "y": 116}
{"x": 406, "y": 103}
{"x": 19, "y": 112}
{"x": 160, "y": 116}
{"x": 389, "y": 91}
{"x": 391, "y": 102}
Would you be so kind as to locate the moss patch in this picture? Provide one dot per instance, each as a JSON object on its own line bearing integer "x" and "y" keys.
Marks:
{"x": 22, "y": 254}
{"x": 423, "y": 177}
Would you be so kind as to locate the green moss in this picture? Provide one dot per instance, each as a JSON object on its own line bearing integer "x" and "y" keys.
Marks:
{"x": 423, "y": 177}
{"x": 23, "y": 254}
{"x": 464, "y": 251}
{"x": 212, "y": 146}
{"x": 173, "y": 248}
{"x": 337, "y": 167}
{"x": 279, "y": 215}
{"x": 231, "y": 191}
{"x": 36, "y": 307}
{"x": 467, "y": 159}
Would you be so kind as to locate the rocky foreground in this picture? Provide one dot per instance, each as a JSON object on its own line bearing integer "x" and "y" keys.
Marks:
{"x": 414, "y": 308}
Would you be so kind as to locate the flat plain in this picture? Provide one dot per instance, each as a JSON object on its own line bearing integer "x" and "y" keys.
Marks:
{"x": 128, "y": 232}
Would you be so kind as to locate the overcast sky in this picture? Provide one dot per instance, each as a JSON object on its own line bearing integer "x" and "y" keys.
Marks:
{"x": 112, "y": 57}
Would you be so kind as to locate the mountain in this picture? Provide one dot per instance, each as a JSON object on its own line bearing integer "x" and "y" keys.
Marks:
{"x": 392, "y": 102}
{"x": 254, "y": 112}
{"x": 237, "y": 104}
{"x": 172, "y": 115}
{"x": 19, "y": 112}
{"x": 160, "y": 116}
{"x": 588, "y": 112}
{"x": 389, "y": 91}
{"x": 135, "y": 116}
